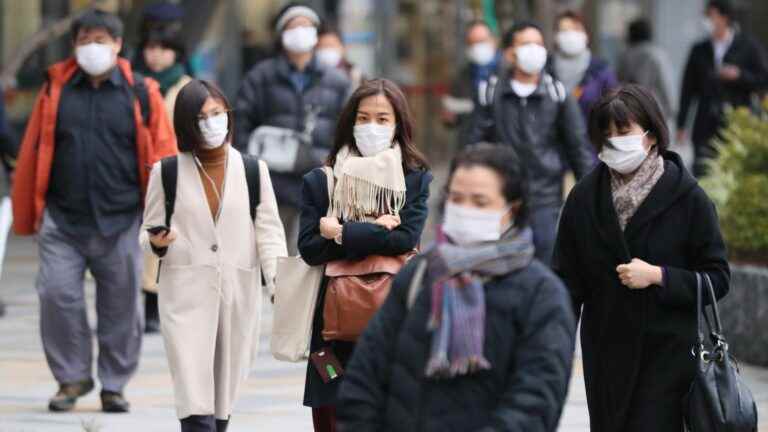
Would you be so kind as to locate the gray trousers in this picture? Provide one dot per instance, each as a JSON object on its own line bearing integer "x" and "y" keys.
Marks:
{"x": 115, "y": 263}
{"x": 290, "y": 217}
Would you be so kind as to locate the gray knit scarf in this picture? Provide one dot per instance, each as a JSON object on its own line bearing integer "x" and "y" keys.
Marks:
{"x": 457, "y": 319}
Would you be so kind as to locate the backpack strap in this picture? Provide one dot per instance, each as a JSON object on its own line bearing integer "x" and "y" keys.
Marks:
{"x": 169, "y": 172}
{"x": 141, "y": 93}
{"x": 252, "y": 177}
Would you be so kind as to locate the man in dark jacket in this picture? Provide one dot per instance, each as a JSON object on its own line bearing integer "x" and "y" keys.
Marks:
{"x": 293, "y": 92}
{"x": 725, "y": 69}
{"x": 530, "y": 111}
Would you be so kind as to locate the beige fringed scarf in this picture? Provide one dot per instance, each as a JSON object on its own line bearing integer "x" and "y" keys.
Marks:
{"x": 368, "y": 187}
{"x": 629, "y": 192}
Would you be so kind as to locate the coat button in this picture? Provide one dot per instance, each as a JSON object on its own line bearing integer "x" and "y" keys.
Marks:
{"x": 214, "y": 248}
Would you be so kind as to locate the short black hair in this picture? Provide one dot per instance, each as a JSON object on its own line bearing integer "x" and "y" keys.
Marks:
{"x": 639, "y": 31}
{"x": 509, "y": 36}
{"x": 724, "y": 7}
{"x": 190, "y": 101}
{"x": 328, "y": 28}
{"x": 166, "y": 37}
{"x": 94, "y": 19}
{"x": 630, "y": 103}
{"x": 505, "y": 162}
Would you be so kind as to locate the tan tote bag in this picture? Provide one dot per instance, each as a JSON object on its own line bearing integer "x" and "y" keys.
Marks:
{"x": 297, "y": 285}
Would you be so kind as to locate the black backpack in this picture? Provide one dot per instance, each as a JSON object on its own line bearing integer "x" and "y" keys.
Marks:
{"x": 170, "y": 172}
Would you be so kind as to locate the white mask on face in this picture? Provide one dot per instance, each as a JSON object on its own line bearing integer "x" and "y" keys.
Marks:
{"x": 531, "y": 58}
{"x": 572, "y": 42}
{"x": 626, "y": 154}
{"x": 371, "y": 138}
{"x": 481, "y": 53}
{"x": 467, "y": 225}
{"x": 300, "y": 39}
{"x": 214, "y": 130}
{"x": 95, "y": 58}
{"x": 329, "y": 57}
{"x": 708, "y": 25}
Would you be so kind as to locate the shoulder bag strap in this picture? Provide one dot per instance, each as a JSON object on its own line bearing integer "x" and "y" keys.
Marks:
{"x": 253, "y": 178}
{"x": 169, "y": 173}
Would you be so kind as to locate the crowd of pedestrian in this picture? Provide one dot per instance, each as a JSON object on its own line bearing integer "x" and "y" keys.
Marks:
{"x": 151, "y": 180}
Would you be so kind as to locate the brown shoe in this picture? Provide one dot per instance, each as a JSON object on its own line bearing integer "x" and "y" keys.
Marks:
{"x": 113, "y": 402}
{"x": 65, "y": 398}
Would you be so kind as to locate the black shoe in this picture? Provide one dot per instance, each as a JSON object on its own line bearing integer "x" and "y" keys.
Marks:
{"x": 222, "y": 425}
{"x": 65, "y": 398}
{"x": 113, "y": 402}
{"x": 152, "y": 326}
{"x": 198, "y": 423}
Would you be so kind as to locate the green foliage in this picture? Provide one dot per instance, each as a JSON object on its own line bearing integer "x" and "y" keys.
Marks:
{"x": 738, "y": 183}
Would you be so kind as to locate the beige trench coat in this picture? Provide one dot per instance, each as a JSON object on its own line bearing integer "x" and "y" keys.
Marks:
{"x": 210, "y": 283}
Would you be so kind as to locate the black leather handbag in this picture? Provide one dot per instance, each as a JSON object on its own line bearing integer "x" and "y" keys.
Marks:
{"x": 718, "y": 400}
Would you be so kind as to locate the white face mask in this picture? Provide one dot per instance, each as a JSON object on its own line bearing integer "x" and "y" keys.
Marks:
{"x": 329, "y": 57}
{"x": 300, "y": 39}
{"x": 467, "y": 225}
{"x": 572, "y": 42}
{"x": 95, "y": 58}
{"x": 531, "y": 58}
{"x": 371, "y": 138}
{"x": 214, "y": 130}
{"x": 626, "y": 154}
{"x": 481, "y": 53}
{"x": 708, "y": 25}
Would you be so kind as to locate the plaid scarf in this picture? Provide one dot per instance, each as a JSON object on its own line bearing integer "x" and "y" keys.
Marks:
{"x": 457, "y": 319}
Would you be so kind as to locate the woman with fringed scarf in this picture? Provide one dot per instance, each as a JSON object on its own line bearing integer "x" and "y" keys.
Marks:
{"x": 476, "y": 334}
{"x": 381, "y": 185}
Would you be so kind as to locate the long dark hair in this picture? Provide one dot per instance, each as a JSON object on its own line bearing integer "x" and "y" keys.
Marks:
{"x": 190, "y": 101}
{"x": 413, "y": 159}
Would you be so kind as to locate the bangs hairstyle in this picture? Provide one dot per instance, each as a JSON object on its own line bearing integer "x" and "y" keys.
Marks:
{"x": 189, "y": 103}
{"x": 621, "y": 107}
{"x": 413, "y": 159}
{"x": 504, "y": 161}
{"x": 96, "y": 19}
{"x": 509, "y": 37}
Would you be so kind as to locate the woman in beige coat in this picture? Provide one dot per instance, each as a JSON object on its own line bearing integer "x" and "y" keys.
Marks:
{"x": 210, "y": 281}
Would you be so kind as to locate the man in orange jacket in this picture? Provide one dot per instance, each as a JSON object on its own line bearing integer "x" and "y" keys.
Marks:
{"x": 94, "y": 133}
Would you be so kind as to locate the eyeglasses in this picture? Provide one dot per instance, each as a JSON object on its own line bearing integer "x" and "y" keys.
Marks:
{"x": 205, "y": 116}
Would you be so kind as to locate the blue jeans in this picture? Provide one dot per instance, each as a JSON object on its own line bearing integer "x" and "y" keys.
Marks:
{"x": 544, "y": 224}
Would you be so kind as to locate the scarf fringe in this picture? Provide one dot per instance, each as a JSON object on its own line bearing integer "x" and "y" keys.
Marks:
{"x": 359, "y": 199}
{"x": 440, "y": 367}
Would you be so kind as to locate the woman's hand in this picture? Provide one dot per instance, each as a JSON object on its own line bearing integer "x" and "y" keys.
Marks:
{"x": 638, "y": 274}
{"x": 388, "y": 221}
{"x": 330, "y": 228}
{"x": 162, "y": 240}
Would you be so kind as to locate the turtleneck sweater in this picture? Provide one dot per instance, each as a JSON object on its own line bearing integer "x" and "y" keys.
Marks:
{"x": 214, "y": 162}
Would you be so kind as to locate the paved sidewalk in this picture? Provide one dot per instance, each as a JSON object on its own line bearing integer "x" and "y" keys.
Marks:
{"x": 271, "y": 400}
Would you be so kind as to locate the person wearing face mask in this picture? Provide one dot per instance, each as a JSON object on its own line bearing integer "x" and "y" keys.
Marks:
{"x": 531, "y": 112}
{"x": 632, "y": 236}
{"x": 212, "y": 249}
{"x": 585, "y": 76}
{"x": 476, "y": 334}
{"x": 725, "y": 69}
{"x": 330, "y": 52}
{"x": 471, "y": 83}
{"x": 378, "y": 209}
{"x": 295, "y": 98}
{"x": 79, "y": 185}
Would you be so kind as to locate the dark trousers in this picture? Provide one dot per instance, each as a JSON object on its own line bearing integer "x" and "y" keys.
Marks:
{"x": 324, "y": 419}
{"x": 703, "y": 152}
{"x": 544, "y": 224}
{"x": 207, "y": 423}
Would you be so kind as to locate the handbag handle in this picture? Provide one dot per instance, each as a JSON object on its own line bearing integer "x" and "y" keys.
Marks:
{"x": 716, "y": 333}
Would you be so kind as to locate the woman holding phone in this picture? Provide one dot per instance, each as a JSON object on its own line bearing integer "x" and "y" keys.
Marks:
{"x": 210, "y": 294}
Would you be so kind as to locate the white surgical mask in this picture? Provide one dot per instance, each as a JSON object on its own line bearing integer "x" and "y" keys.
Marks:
{"x": 371, "y": 138}
{"x": 572, "y": 42}
{"x": 214, "y": 130}
{"x": 708, "y": 25}
{"x": 531, "y": 58}
{"x": 467, "y": 225}
{"x": 95, "y": 58}
{"x": 328, "y": 57}
{"x": 481, "y": 53}
{"x": 300, "y": 39}
{"x": 626, "y": 154}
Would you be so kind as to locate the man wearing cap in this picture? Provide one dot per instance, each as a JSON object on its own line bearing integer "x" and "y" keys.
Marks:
{"x": 290, "y": 95}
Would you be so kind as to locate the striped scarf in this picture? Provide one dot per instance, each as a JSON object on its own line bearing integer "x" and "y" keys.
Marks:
{"x": 457, "y": 319}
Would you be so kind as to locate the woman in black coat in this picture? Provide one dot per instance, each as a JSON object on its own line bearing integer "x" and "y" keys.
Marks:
{"x": 373, "y": 146}
{"x": 487, "y": 343}
{"x": 632, "y": 235}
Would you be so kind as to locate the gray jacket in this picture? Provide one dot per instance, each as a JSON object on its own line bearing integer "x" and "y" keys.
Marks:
{"x": 268, "y": 97}
{"x": 649, "y": 66}
{"x": 546, "y": 129}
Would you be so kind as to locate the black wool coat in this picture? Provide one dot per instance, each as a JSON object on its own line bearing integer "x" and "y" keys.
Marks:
{"x": 637, "y": 343}
{"x": 529, "y": 341}
{"x": 360, "y": 239}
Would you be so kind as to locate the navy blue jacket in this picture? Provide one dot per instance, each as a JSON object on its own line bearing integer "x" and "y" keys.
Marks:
{"x": 360, "y": 239}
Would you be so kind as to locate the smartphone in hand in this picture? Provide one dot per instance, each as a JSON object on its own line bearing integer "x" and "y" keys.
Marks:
{"x": 160, "y": 229}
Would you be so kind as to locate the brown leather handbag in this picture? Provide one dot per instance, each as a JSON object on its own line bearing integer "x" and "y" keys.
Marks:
{"x": 355, "y": 291}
